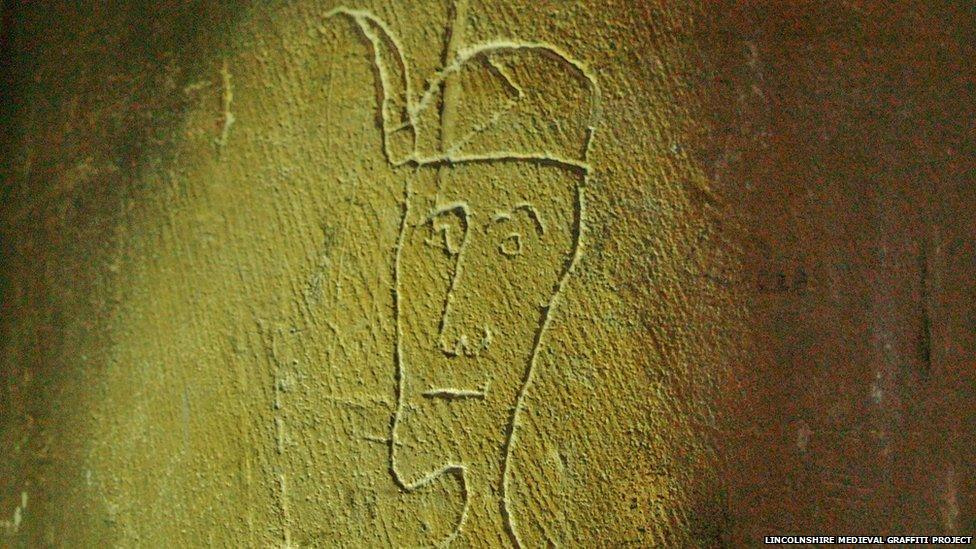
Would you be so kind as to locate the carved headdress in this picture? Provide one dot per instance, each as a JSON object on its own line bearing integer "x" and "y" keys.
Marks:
{"x": 517, "y": 99}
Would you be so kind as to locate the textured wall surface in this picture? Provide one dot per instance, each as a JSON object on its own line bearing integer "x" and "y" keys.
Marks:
{"x": 485, "y": 272}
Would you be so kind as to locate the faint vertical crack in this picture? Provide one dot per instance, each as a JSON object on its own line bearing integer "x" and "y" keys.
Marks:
{"x": 925, "y": 312}
{"x": 227, "y": 97}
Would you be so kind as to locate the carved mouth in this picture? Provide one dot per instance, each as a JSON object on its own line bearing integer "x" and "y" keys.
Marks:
{"x": 451, "y": 393}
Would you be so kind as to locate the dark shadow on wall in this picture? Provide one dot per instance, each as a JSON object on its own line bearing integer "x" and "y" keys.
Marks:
{"x": 90, "y": 94}
{"x": 836, "y": 140}
{"x": 96, "y": 80}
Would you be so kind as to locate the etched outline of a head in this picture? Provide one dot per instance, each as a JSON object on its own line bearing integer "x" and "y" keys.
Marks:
{"x": 453, "y": 219}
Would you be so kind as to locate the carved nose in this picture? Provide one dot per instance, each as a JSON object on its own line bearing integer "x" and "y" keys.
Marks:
{"x": 463, "y": 344}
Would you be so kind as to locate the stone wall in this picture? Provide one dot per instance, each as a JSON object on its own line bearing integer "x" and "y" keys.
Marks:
{"x": 485, "y": 272}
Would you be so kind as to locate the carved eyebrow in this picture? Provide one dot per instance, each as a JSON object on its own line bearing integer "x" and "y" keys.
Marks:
{"x": 529, "y": 209}
{"x": 458, "y": 207}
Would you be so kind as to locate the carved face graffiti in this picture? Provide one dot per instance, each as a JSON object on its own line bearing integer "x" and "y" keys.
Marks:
{"x": 480, "y": 261}
{"x": 489, "y": 232}
{"x": 485, "y": 247}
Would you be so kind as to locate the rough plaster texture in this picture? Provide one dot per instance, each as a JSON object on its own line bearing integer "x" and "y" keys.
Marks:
{"x": 484, "y": 273}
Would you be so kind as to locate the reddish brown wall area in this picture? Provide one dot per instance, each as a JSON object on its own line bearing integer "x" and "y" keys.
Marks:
{"x": 843, "y": 147}
{"x": 845, "y": 153}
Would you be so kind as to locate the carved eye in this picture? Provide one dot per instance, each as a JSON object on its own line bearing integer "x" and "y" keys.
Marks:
{"x": 447, "y": 233}
{"x": 511, "y": 245}
{"x": 525, "y": 220}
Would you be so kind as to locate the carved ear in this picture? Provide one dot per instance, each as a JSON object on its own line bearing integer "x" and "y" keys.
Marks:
{"x": 393, "y": 83}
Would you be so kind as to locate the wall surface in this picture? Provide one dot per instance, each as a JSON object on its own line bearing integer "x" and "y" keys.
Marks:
{"x": 485, "y": 272}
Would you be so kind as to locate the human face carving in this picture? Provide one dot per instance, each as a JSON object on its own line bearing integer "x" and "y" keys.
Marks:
{"x": 484, "y": 249}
